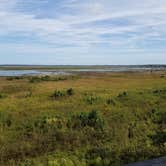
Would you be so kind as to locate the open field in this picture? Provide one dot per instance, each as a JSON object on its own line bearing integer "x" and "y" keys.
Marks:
{"x": 88, "y": 119}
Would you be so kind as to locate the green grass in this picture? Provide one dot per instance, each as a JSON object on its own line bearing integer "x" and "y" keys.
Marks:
{"x": 95, "y": 119}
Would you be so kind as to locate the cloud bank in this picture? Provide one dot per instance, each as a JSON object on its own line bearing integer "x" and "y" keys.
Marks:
{"x": 83, "y": 32}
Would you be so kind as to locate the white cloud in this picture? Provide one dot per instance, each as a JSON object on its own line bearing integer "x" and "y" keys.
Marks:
{"x": 127, "y": 22}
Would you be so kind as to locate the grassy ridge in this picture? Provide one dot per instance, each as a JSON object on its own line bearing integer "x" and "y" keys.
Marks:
{"x": 94, "y": 119}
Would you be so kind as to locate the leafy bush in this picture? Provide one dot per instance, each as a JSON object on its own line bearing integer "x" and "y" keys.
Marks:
{"x": 59, "y": 94}
{"x": 102, "y": 157}
{"x": 91, "y": 99}
{"x": 70, "y": 92}
{"x": 159, "y": 91}
{"x": 36, "y": 79}
{"x": 159, "y": 138}
{"x": 124, "y": 94}
{"x": 158, "y": 116}
{"x": 91, "y": 119}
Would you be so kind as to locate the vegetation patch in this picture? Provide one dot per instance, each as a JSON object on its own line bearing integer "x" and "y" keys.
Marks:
{"x": 62, "y": 93}
{"x": 11, "y": 78}
{"x": 123, "y": 94}
{"x": 91, "y": 99}
{"x": 37, "y": 79}
{"x": 2, "y": 95}
{"x": 5, "y": 119}
{"x": 111, "y": 102}
{"x": 86, "y": 125}
{"x": 90, "y": 119}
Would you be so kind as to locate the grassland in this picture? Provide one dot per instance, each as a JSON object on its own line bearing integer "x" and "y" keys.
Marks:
{"x": 106, "y": 119}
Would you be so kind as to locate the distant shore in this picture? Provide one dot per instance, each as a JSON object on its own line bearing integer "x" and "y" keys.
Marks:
{"x": 81, "y": 67}
{"x": 67, "y": 70}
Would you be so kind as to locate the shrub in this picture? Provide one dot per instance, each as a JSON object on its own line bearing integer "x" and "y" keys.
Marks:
{"x": 70, "y": 92}
{"x": 61, "y": 78}
{"x": 124, "y": 94}
{"x": 91, "y": 119}
{"x": 111, "y": 102}
{"x": 91, "y": 99}
{"x": 158, "y": 116}
{"x": 159, "y": 91}
{"x": 159, "y": 138}
{"x": 99, "y": 156}
{"x": 34, "y": 79}
{"x": 9, "y": 78}
{"x": 58, "y": 94}
{"x": 46, "y": 78}
{"x": 27, "y": 162}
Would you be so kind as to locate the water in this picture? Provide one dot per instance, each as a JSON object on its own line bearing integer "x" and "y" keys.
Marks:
{"x": 71, "y": 71}
{"x": 29, "y": 72}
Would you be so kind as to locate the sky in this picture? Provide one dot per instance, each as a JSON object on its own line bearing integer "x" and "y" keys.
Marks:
{"x": 83, "y": 32}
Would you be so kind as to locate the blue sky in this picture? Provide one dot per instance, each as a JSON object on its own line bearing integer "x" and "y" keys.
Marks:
{"x": 82, "y": 32}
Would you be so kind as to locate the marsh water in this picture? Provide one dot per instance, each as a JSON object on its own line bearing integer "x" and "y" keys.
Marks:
{"x": 31, "y": 72}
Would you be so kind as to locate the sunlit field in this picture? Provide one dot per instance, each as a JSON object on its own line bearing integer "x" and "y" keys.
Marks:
{"x": 93, "y": 119}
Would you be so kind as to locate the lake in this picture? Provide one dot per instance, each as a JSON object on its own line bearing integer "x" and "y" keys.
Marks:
{"x": 30, "y": 72}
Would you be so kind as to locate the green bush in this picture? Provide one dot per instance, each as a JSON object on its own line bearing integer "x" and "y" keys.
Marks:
{"x": 99, "y": 156}
{"x": 91, "y": 99}
{"x": 36, "y": 79}
{"x": 59, "y": 94}
{"x": 159, "y": 138}
{"x": 160, "y": 92}
{"x": 124, "y": 94}
{"x": 70, "y": 92}
{"x": 91, "y": 119}
{"x": 158, "y": 116}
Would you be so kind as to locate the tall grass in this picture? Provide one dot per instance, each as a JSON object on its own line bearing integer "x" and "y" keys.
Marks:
{"x": 93, "y": 120}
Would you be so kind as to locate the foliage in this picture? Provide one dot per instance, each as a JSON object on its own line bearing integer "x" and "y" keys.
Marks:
{"x": 14, "y": 78}
{"x": 70, "y": 92}
{"x": 59, "y": 94}
{"x": 111, "y": 102}
{"x": 95, "y": 120}
{"x": 37, "y": 79}
{"x": 124, "y": 94}
{"x": 5, "y": 119}
{"x": 91, "y": 119}
{"x": 2, "y": 95}
{"x": 91, "y": 99}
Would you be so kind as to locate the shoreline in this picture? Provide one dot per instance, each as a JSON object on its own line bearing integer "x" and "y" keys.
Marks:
{"x": 55, "y": 72}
